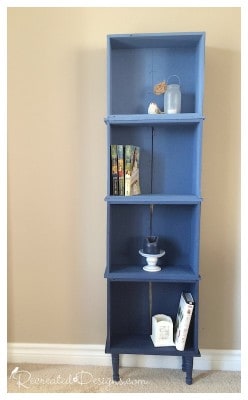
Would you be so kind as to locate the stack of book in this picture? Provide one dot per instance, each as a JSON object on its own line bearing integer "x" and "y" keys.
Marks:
{"x": 125, "y": 170}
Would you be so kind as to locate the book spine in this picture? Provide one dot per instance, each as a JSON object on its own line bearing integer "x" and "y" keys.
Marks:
{"x": 184, "y": 315}
{"x": 120, "y": 162}
{"x": 135, "y": 181}
{"x": 128, "y": 165}
{"x": 114, "y": 170}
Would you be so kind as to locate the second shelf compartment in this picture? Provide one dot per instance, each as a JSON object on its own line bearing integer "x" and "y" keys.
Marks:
{"x": 170, "y": 156}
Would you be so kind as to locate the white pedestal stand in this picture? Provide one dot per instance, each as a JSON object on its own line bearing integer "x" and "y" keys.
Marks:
{"x": 151, "y": 260}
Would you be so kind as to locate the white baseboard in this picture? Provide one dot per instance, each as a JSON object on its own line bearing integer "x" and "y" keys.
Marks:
{"x": 42, "y": 353}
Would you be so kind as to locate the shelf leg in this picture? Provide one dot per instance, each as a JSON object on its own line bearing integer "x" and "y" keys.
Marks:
{"x": 115, "y": 365}
{"x": 188, "y": 368}
{"x": 183, "y": 364}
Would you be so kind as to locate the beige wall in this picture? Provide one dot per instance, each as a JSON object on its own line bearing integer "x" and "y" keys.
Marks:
{"x": 57, "y": 169}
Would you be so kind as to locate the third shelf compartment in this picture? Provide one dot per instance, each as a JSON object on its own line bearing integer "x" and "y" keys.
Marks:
{"x": 177, "y": 227}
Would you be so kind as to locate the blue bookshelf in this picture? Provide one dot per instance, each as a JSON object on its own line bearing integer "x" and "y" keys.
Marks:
{"x": 169, "y": 205}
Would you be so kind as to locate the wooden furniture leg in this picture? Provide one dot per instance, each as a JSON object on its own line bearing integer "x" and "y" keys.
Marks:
{"x": 115, "y": 365}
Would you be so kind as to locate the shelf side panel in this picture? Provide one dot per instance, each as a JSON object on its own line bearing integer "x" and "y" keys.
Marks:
{"x": 200, "y": 72}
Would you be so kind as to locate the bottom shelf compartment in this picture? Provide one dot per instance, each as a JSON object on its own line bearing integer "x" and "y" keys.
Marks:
{"x": 131, "y": 306}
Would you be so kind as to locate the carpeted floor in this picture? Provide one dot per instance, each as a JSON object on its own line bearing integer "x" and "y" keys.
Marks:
{"x": 40, "y": 378}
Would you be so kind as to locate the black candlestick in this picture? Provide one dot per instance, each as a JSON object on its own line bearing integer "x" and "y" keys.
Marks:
{"x": 150, "y": 245}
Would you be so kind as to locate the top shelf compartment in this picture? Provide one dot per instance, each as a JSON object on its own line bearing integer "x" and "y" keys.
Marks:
{"x": 137, "y": 62}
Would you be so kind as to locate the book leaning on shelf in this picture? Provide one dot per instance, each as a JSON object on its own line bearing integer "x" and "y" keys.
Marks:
{"x": 114, "y": 170}
{"x": 184, "y": 314}
{"x": 134, "y": 182}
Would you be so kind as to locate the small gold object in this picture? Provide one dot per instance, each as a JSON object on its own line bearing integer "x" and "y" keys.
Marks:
{"x": 160, "y": 88}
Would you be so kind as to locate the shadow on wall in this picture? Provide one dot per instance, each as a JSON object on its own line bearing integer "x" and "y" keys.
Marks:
{"x": 220, "y": 230}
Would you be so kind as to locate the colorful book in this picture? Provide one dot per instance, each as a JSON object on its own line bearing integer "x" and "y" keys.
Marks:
{"x": 184, "y": 314}
{"x": 120, "y": 163}
{"x": 128, "y": 166}
{"x": 114, "y": 170}
{"x": 135, "y": 181}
